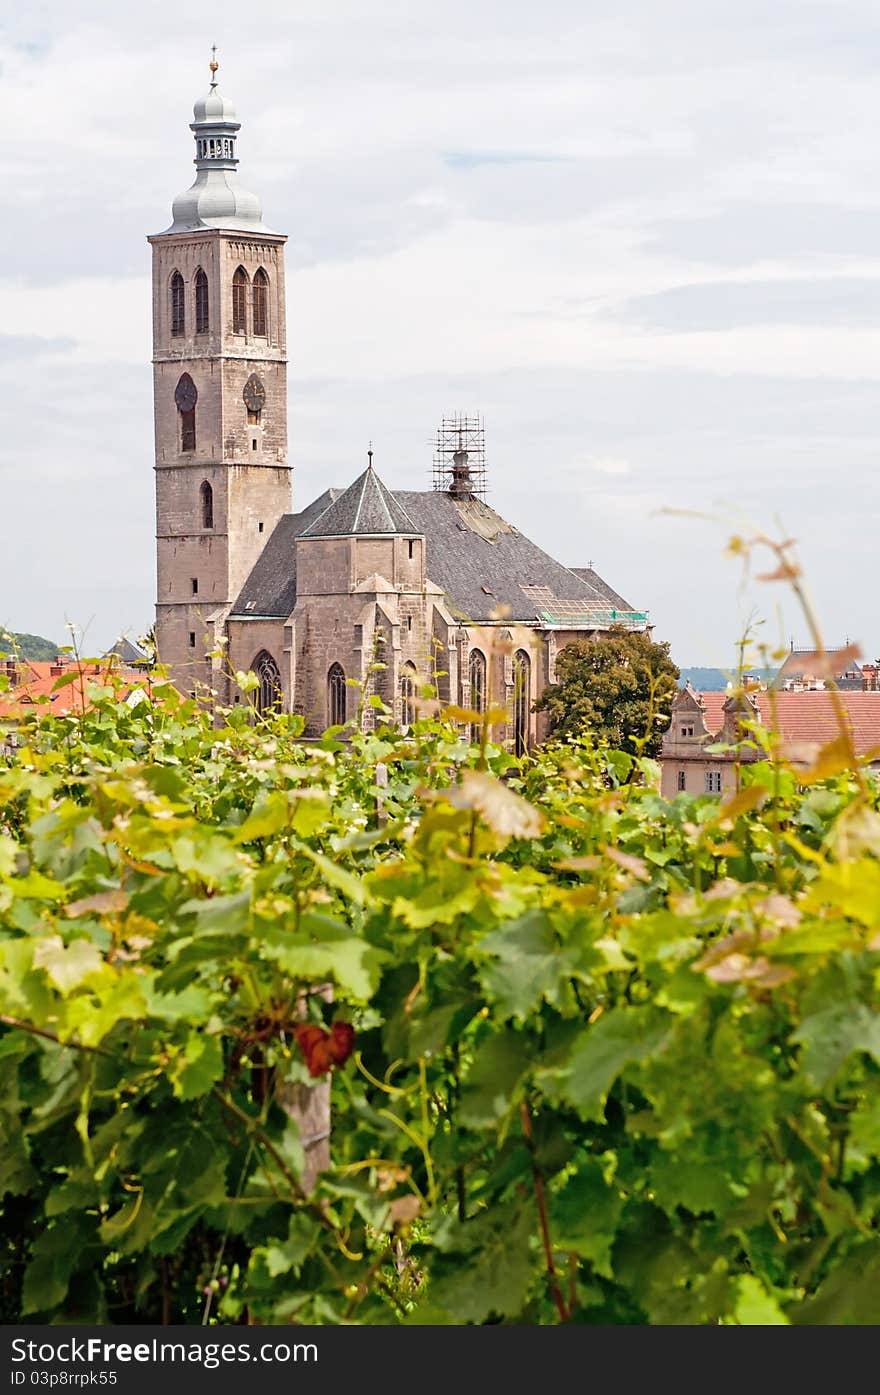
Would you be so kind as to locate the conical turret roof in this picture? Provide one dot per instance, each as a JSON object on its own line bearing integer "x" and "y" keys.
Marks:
{"x": 366, "y": 507}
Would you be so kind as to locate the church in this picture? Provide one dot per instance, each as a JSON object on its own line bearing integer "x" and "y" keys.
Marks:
{"x": 362, "y": 590}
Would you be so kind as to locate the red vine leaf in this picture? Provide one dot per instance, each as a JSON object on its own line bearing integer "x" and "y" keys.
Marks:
{"x": 322, "y": 1049}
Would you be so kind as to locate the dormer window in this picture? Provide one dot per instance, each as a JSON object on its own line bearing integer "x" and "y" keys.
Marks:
{"x": 688, "y": 729}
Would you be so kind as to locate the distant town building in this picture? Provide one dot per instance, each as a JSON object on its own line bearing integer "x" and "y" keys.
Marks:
{"x": 805, "y": 719}
{"x": 802, "y": 671}
{"x": 420, "y": 581}
{"x": 31, "y": 686}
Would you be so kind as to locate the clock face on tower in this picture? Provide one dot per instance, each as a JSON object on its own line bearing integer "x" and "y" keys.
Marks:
{"x": 254, "y": 394}
{"x": 186, "y": 394}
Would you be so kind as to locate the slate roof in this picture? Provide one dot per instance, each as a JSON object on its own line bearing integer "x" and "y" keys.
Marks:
{"x": 366, "y": 507}
{"x": 592, "y": 578}
{"x": 482, "y": 561}
{"x": 271, "y": 587}
{"x": 479, "y": 559}
{"x": 126, "y": 652}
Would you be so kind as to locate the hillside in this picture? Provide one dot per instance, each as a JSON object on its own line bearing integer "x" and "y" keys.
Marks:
{"x": 715, "y": 680}
{"x": 27, "y": 646}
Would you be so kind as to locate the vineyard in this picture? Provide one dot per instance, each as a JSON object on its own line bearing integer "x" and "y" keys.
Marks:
{"x": 590, "y": 1057}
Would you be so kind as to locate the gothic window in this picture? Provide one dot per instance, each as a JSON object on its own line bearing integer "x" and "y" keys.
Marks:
{"x": 268, "y": 695}
{"x": 239, "y": 301}
{"x": 261, "y": 303}
{"x": 178, "y": 303}
{"x": 477, "y": 675}
{"x": 336, "y": 695}
{"x": 522, "y": 669}
{"x": 207, "y": 502}
{"x": 407, "y": 695}
{"x": 682, "y": 780}
{"x": 201, "y": 302}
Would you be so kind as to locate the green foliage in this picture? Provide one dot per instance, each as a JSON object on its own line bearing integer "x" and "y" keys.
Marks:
{"x": 27, "y": 646}
{"x": 619, "y": 686}
{"x": 617, "y": 1060}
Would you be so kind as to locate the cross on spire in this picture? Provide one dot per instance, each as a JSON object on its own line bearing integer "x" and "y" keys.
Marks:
{"x": 370, "y": 456}
{"x": 213, "y": 65}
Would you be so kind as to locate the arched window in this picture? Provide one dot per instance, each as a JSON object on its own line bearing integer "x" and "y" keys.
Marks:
{"x": 261, "y": 303}
{"x": 336, "y": 695}
{"x": 522, "y": 672}
{"x": 239, "y": 301}
{"x": 178, "y": 305}
{"x": 201, "y": 302}
{"x": 477, "y": 675}
{"x": 407, "y": 695}
{"x": 268, "y": 695}
{"x": 207, "y": 501}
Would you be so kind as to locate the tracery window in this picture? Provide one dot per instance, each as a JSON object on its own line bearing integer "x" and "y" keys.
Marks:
{"x": 268, "y": 695}
{"x": 407, "y": 695}
{"x": 477, "y": 675}
{"x": 522, "y": 672}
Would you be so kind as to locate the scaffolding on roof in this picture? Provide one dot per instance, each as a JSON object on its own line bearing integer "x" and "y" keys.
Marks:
{"x": 460, "y": 457}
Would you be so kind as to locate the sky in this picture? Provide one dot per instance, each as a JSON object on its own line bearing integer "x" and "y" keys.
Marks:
{"x": 640, "y": 239}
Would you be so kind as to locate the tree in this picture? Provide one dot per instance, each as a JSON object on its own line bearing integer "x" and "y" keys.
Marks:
{"x": 24, "y": 646}
{"x": 619, "y": 686}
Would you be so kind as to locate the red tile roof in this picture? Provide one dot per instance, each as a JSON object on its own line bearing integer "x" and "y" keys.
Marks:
{"x": 713, "y": 710}
{"x": 32, "y": 688}
{"x": 808, "y": 716}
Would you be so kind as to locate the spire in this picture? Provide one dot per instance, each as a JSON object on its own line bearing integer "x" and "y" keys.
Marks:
{"x": 216, "y": 199}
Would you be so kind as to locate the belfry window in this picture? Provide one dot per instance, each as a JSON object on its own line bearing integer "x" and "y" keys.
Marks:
{"x": 201, "y": 302}
{"x": 407, "y": 695}
{"x": 239, "y": 301}
{"x": 522, "y": 672}
{"x": 336, "y": 694}
{"x": 477, "y": 675}
{"x": 178, "y": 304}
{"x": 261, "y": 303}
{"x": 268, "y": 695}
{"x": 206, "y": 498}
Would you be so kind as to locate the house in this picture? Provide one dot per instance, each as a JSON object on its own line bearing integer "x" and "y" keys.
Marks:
{"x": 806, "y": 720}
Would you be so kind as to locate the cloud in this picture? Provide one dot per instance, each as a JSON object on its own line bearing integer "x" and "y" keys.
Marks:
{"x": 623, "y": 233}
{"x": 609, "y": 465}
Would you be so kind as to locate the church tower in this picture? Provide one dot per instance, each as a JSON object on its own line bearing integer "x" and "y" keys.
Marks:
{"x": 220, "y": 397}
